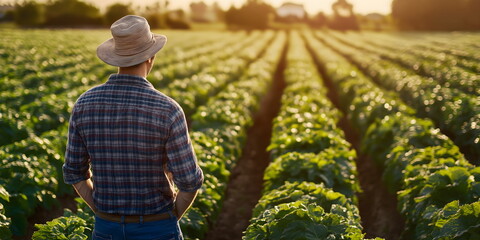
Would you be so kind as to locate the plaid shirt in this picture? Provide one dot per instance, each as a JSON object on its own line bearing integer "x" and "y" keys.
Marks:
{"x": 132, "y": 136}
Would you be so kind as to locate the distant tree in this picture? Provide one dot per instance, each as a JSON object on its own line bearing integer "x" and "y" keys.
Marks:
{"x": 343, "y": 16}
{"x": 407, "y": 18}
{"x": 117, "y": 11}
{"x": 202, "y": 12}
{"x": 437, "y": 15}
{"x": 156, "y": 14}
{"x": 373, "y": 21}
{"x": 232, "y": 16}
{"x": 254, "y": 14}
{"x": 9, "y": 16}
{"x": 29, "y": 13}
{"x": 177, "y": 20}
{"x": 72, "y": 13}
{"x": 318, "y": 21}
{"x": 473, "y": 14}
{"x": 219, "y": 12}
{"x": 257, "y": 14}
{"x": 156, "y": 20}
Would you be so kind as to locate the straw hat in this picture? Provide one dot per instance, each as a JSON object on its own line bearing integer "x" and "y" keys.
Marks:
{"x": 132, "y": 42}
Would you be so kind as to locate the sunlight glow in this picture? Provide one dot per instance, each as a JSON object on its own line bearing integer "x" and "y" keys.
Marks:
{"x": 311, "y": 6}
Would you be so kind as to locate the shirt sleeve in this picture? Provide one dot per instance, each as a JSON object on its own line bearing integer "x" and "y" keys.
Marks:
{"x": 182, "y": 162}
{"x": 77, "y": 162}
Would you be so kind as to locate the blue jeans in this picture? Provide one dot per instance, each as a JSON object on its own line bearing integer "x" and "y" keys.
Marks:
{"x": 167, "y": 229}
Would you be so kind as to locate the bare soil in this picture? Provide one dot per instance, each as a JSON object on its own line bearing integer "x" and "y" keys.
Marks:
{"x": 378, "y": 207}
{"x": 43, "y": 215}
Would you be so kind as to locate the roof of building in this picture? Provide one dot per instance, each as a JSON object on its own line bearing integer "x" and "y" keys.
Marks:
{"x": 292, "y": 4}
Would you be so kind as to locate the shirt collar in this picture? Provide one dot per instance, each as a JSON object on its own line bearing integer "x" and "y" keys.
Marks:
{"x": 126, "y": 79}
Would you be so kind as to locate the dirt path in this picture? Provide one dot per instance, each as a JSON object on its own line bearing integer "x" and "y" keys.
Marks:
{"x": 378, "y": 207}
{"x": 245, "y": 184}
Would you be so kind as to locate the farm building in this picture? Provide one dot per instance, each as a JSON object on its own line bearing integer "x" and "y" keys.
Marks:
{"x": 291, "y": 9}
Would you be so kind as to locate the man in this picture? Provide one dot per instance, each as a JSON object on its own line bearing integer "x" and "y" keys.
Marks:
{"x": 134, "y": 138}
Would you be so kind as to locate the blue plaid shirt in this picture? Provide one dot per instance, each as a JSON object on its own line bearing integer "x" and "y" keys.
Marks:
{"x": 134, "y": 139}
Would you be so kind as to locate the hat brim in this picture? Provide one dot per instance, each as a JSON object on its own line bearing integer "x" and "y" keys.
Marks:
{"x": 106, "y": 52}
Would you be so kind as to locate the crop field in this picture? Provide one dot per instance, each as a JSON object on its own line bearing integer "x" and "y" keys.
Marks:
{"x": 301, "y": 134}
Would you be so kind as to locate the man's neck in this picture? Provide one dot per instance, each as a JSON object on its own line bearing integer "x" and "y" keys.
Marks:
{"x": 137, "y": 71}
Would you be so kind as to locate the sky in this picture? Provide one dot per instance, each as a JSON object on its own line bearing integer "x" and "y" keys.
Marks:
{"x": 312, "y": 6}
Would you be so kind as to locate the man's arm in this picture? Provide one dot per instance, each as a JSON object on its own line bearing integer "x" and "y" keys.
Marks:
{"x": 183, "y": 202}
{"x": 76, "y": 169}
{"x": 182, "y": 163}
{"x": 85, "y": 190}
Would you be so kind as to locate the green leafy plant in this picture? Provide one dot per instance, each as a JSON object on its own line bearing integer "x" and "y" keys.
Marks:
{"x": 303, "y": 220}
{"x": 306, "y": 141}
{"x": 194, "y": 225}
{"x": 307, "y": 192}
{"x": 63, "y": 228}
{"x": 400, "y": 129}
{"x": 406, "y": 162}
{"x": 421, "y": 162}
{"x": 78, "y": 225}
{"x": 428, "y": 192}
{"x": 310, "y": 155}
{"x": 332, "y": 167}
{"x": 4, "y": 221}
{"x": 454, "y": 221}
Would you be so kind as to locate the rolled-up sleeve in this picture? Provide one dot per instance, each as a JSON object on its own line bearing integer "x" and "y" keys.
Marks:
{"x": 182, "y": 162}
{"x": 77, "y": 162}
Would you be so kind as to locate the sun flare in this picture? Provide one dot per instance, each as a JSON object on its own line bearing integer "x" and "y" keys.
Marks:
{"x": 311, "y": 6}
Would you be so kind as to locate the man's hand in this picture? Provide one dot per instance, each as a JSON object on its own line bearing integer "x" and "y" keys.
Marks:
{"x": 85, "y": 191}
{"x": 183, "y": 202}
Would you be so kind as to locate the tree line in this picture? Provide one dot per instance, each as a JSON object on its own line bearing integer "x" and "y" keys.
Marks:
{"x": 76, "y": 13}
{"x": 257, "y": 14}
{"x": 253, "y": 14}
{"x": 437, "y": 15}
{"x": 420, "y": 15}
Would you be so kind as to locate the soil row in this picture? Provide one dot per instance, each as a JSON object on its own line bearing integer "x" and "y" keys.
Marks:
{"x": 246, "y": 181}
{"x": 378, "y": 207}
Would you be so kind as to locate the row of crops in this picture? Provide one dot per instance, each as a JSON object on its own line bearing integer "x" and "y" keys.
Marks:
{"x": 418, "y": 114}
{"x": 31, "y": 162}
{"x": 437, "y": 189}
{"x": 218, "y": 133}
{"x": 433, "y": 84}
{"x": 310, "y": 185}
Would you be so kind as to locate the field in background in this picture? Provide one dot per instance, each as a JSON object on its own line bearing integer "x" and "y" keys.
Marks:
{"x": 368, "y": 134}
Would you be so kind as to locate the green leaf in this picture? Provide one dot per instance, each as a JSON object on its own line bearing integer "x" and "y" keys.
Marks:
{"x": 464, "y": 223}
{"x": 63, "y": 228}
{"x": 302, "y": 220}
{"x": 333, "y": 167}
{"x": 4, "y": 194}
